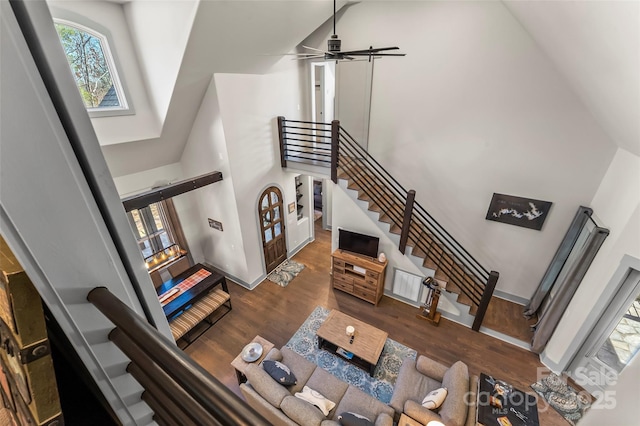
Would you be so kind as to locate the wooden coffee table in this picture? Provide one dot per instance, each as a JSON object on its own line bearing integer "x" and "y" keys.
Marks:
{"x": 367, "y": 344}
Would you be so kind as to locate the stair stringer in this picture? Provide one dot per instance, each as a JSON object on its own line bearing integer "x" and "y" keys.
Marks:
{"x": 448, "y": 305}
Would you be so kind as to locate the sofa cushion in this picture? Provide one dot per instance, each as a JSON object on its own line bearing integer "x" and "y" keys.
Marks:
{"x": 412, "y": 384}
{"x": 356, "y": 401}
{"x": 316, "y": 398}
{"x": 354, "y": 419}
{"x": 279, "y": 372}
{"x": 454, "y": 407}
{"x": 265, "y": 386}
{"x": 300, "y": 366}
{"x": 434, "y": 399}
{"x": 301, "y": 411}
{"x": 423, "y": 415}
{"x": 328, "y": 385}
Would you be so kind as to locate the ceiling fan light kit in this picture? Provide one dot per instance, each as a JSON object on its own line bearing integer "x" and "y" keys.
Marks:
{"x": 334, "y": 52}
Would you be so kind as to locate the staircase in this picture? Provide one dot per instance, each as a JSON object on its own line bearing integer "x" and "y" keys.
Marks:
{"x": 329, "y": 145}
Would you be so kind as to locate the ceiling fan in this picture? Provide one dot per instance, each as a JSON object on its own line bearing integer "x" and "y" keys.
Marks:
{"x": 333, "y": 51}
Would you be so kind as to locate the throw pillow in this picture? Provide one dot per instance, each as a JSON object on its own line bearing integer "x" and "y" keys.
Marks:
{"x": 354, "y": 419}
{"x": 279, "y": 372}
{"x": 317, "y": 399}
{"x": 434, "y": 399}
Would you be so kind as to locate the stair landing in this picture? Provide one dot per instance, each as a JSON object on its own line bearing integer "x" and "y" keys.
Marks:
{"x": 506, "y": 317}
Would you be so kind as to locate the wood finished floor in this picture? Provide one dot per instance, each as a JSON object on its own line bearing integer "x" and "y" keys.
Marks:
{"x": 276, "y": 313}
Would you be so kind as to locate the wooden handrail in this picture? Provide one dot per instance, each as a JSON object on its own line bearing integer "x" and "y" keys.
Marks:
{"x": 399, "y": 208}
{"x": 214, "y": 397}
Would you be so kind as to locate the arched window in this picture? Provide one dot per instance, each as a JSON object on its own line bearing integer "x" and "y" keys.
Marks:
{"x": 92, "y": 67}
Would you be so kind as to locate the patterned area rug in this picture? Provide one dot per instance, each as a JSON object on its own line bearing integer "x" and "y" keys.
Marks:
{"x": 380, "y": 385}
{"x": 285, "y": 272}
{"x": 563, "y": 398}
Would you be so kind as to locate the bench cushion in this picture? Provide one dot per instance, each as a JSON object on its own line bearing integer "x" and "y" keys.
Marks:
{"x": 197, "y": 312}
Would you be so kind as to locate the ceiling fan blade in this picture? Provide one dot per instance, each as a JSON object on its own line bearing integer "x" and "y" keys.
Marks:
{"x": 317, "y": 50}
{"x": 377, "y": 54}
{"x": 307, "y": 57}
{"x": 371, "y": 50}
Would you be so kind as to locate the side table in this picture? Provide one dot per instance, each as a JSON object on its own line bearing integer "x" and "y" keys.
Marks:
{"x": 241, "y": 365}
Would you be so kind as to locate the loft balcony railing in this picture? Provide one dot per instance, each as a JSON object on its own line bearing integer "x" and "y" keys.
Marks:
{"x": 330, "y": 145}
{"x": 179, "y": 391}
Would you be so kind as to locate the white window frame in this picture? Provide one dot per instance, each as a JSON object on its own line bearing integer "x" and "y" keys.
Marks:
{"x": 124, "y": 108}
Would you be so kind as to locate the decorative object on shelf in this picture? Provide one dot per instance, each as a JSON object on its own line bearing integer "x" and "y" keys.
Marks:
{"x": 525, "y": 212}
{"x": 252, "y": 352}
{"x": 430, "y": 311}
{"x": 298, "y": 197}
{"x": 382, "y": 258}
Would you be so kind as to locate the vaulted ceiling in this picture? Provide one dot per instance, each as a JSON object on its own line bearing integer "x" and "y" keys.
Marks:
{"x": 595, "y": 45}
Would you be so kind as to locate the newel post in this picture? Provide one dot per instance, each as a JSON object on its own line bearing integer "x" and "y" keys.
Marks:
{"x": 406, "y": 220}
{"x": 283, "y": 160}
{"x": 335, "y": 137}
{"x": 486, "y": 298}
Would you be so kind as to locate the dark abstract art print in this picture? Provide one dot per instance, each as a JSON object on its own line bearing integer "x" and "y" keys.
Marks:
{"x": 518, "y": 211}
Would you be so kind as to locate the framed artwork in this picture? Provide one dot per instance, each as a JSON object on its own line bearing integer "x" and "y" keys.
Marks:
{"x": 525, "y": 212}
{"x": 215, "y": 224}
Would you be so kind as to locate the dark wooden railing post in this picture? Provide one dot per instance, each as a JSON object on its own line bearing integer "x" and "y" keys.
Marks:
{"x": 283, "y": 160}
{"x": 335, "y": 137}
{"x": 486, "y": 298}
{"x": 406, "y": 220}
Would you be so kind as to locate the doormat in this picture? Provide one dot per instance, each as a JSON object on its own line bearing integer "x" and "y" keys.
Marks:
{"x": 285, "y": 272}
{"x": 380, "y": 386}
{"x": 563, "y": 398}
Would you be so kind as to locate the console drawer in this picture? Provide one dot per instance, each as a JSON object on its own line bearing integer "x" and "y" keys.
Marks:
{"x": 340, "y": 285}
{"x": 373, "y": 274}
{"x": 338, "y": 263}
{"x": 364, "y": 293}
{"x": 343, "y": 278}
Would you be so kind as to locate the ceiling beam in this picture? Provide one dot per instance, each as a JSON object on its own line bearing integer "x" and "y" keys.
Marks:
{"x": 154, "y": 195}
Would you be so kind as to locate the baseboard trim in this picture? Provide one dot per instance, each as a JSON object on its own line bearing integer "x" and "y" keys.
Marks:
{"x": 505, "y": 338}
{"x": 511, "y": 297}
{"x": 551, "y": 365}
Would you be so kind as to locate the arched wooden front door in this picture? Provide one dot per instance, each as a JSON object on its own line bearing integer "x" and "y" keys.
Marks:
{"x": 271, "y": 213}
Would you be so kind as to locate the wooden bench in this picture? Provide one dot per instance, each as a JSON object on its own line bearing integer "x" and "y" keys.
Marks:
{"x": 202, "y": 310}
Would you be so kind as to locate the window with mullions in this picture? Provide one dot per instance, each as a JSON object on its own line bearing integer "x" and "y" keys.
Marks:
{"x": 151, "y": 228}
{"x": 92, "y": 67}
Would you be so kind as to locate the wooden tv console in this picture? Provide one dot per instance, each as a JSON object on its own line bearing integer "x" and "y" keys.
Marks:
{"x": 358, "y": 275}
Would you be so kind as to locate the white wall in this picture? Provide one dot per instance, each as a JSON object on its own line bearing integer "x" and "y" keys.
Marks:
{"x": 623, "y": 397}
{"x": 617, "y": 207}
{"x": 143, "y": 181}
{"x": 108, "y": 18}
{"x": 160, "y": 31}
{"x": 476, "y": 108}
{"x": 249, "y": 105}
{"x": 205, "y": 151}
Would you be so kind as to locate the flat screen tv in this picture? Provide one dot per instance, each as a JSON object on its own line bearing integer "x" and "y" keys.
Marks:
{"x": 365, "y": 245}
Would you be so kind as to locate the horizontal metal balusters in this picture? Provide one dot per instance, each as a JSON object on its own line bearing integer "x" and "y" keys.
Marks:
{"x": 304, "y": 141}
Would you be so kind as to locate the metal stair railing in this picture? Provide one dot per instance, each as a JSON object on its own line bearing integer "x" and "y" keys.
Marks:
{"x": 178, "y": 390}
{"x": 306, "y": 142}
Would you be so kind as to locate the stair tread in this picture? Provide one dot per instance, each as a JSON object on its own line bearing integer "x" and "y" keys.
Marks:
{"x": 448, "y": 268}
